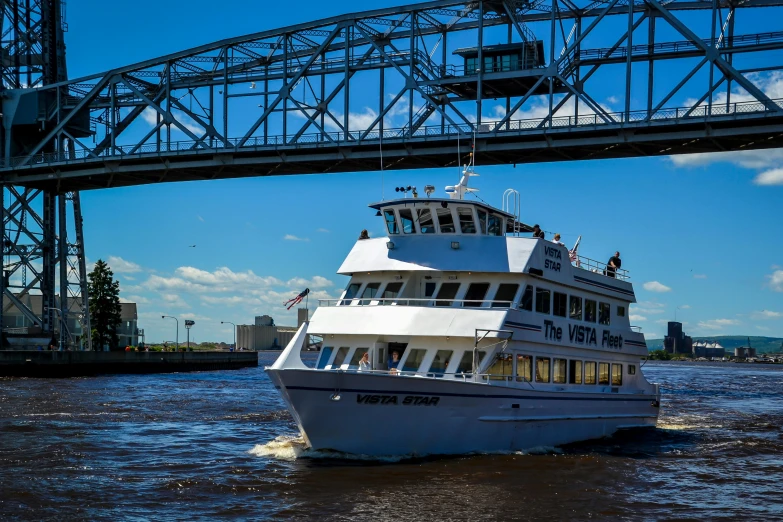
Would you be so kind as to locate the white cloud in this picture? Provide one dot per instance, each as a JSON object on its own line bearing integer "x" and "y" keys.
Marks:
{"x": 684, "y": 307}
{"x": 717, "y": 324}
{"x": 174, "y": 301}
{"x": 200, "y": 219}
{"x": 315, "y": 282}
{"x": 291, "y": 237}
{"x": 655, "y": 286}
{"x": 634, "y": 317}
{"x": 762, "y": 328}
{"x": 652, "y": 336}
{"x": 699, "y": 276}
{"x": 323, "y": 230}
{"x": 766, "y": 314}
{"x": 223, "y": 279}
{"x": 150, "y": 116}
{"x": 770, "y": 177}
{"x": 121, "y": 266}
{"x": 135, "y": 299}
{"x": 776, "y": 280}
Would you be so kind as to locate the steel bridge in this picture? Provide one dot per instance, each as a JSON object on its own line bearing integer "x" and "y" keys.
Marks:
{"x": 517, "y": 81}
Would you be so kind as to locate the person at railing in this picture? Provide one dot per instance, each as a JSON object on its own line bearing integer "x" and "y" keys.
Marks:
{"x": 395, "y": 361}
{"x": 364, "y": 363}
{"x": 557, "y": 240}
{"x": 364, "y": 234}
{"x": 537, "y": 232}
{"x": 613, "y": 264}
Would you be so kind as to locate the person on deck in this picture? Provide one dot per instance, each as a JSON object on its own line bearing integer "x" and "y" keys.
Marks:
{"x": 613, "y": 264}
{"x": 395, "y": 361}
{"x": 557, "y": 240}
{"x": 364, "y": 363}
{"x": 364, "y": 234}
{"x": 537, "y": 232}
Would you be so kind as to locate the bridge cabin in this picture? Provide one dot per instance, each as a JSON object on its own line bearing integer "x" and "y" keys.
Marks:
{"x": 450, "y": 269}
{"x": 508, "y": 70}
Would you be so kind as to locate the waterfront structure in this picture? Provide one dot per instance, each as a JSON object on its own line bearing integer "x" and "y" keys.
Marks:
{"x": 264, "y": 334}
{"x": 676, "y": 342}
{"x": 708, "y": 350}
{"x": 21, "y": 333}
{"x": 60, "y": 136}
{"x": 459, "y": 333}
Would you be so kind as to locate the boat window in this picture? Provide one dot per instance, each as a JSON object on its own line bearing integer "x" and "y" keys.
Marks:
{"x": 340, "y": 357}
{"x": 445, "y": 220}
{"x": 391, "y": 223}
{"x": 370, "y": 291}
{"x": 543, "y": 300}
{"x": 482, "y": 221}
{"x": 502, "y": 367}
{"x": 590, "y": 310}
{"x": 527, "y": 299}
{"x": 620, "y": 311}
{"x": 631, "y": 369}
{"x": 413, "y": 361}
{"x": 357, "y": 356}
{"x": 617, "y": 374}
{"x": 504, "y": 297}
{"x": 559, "y": 371}
{"x": 524, "y": 368}
{"x": 475, "y": 294}
{"x": 575, "y": 372}
{"x": 560, "y": 304}
{"x": 466, "y": 223}
{"x": 446, "y": 293}
{"x": 575, "y": 308}
{"x": 466, "y": 363}
{"x": 326, "y": 352}
{"x": 603, "y": 313}
{"x": 589, "y": 373}
{"x": 495, "y": 225}
{"x": 391, "y": 291}
{"x": 426, "y": 226}
{"x": 441, "y": 362}
{"x": 350, "y": 293}
{"x": 406, "y": 220}
{"x": 542, "y": 369}
{"x": 429, "y": 289}
{"x": 603, "y": 373}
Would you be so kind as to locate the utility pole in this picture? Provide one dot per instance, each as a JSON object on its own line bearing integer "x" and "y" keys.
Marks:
{"x": 188, "y": 325}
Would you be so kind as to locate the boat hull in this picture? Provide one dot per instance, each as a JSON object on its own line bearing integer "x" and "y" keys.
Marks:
{"x": 374, "y": 414}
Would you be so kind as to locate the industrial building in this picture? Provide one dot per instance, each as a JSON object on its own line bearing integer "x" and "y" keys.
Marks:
{"x": 709, "y": 350}
{"x": 744, "y": 352}
{"x": 265, "y": 334}
{"x": 20, "y": 333}
{"x": 676, "y": 342}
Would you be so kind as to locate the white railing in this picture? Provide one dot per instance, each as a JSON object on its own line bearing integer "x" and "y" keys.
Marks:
{"x": 427, "y": 302}
{"x": 598, "y": 267}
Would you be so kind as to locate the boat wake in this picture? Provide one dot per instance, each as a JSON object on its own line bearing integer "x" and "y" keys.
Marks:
{"x": 293, "y": 447}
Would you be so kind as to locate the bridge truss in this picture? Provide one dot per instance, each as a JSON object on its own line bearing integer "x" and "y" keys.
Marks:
{"x": 340, "y": 94}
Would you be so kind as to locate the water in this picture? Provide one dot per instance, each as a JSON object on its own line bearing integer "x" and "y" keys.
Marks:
{"x": 220, "y": 445}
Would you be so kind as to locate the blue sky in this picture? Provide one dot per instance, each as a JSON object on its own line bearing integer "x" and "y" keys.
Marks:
{"x": 699, "y": 233}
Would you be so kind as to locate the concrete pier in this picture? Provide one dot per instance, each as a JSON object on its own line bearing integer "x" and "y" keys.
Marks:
{"x": 73, "y": 364}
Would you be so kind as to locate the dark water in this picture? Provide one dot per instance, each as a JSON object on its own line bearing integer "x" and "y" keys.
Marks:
{"x": 219, "y": 445}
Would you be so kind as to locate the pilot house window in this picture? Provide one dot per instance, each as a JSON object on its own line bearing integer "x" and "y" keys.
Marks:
{"x": 391, "y": 222}
{"x": 445, "y": 220}
{"x": 527, "y": 299}
{"x": 603, "y": 313}
{"x": 543, "y": 300}
{"x": 391, "y": 291}
{"x": 505, "y": 295}
{"x": 495, "y": 225}
{"x": 370, "y": 291}
{"x": 475, "y": 294}
{"x": 446, "y": 293}
{"x": 425, "y": 221}
{"x": 560, "y": 304}
{"x": 350, "y": 293}
{"x": 406, "y": 219}
{"x": 466, "y": 223}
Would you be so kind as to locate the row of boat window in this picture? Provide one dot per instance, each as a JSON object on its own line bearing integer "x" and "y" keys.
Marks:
{"x": 506, "y": 366}
{"x": 546, "y": 301}
{"x": 559, "y": 371}
{"x": 462, "y": 221}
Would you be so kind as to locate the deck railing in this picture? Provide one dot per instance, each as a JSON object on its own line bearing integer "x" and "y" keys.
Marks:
{"x": 591, "y": 265}
{"x": 428, "y": 302}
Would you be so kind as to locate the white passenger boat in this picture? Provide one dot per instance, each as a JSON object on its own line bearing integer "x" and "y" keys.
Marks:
{"x": 504, "y": 342}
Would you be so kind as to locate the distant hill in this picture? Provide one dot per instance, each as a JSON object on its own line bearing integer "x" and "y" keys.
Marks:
{"x": 761, "y": 344}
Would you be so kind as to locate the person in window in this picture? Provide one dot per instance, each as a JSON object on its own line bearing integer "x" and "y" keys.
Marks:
{"x": 613, "y": 264}
{"x": 364, "y": 363}
{"x": 557, "y": 240}
{"x": 364, "y": 234}
{"x": 537, "y": 232}
{"x": 395, "y": 361}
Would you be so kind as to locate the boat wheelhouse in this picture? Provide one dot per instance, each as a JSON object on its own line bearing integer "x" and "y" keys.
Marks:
{"x": 458, "y": 332}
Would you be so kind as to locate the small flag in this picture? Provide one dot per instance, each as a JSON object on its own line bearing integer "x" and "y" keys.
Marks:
{"x": 296, "y": 300}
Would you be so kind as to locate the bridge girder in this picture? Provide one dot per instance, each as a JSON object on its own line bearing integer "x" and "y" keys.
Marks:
{"x": 303, "y": 99}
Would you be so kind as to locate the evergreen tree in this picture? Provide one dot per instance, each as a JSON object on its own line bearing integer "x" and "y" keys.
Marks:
{"x": 105, "y": 309}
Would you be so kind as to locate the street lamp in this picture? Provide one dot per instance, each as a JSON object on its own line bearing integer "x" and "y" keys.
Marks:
{"x": 172, "y": 317}
{"x": 235, "y": 333}
{"x": 188, "y": 325}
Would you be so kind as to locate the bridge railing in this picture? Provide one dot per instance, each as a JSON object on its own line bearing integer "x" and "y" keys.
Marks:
{"x": 701, "y": 112}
